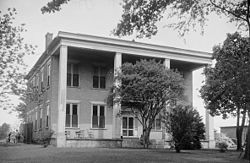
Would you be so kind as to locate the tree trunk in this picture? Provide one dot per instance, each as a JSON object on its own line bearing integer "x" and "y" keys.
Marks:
{"x": 145, "y": 136}
{"x": 238, "y": 135}
{"x": 247, "y": 150}
{"x": 239, "y": 131}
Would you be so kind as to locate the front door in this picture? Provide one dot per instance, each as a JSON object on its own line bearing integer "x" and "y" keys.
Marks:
{"x": 127, "y": 126}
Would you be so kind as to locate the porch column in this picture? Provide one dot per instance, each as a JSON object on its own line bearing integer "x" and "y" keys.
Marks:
{"x": 167, "y": 65}
{"x": 210, "y": 130}
{"x": 63, "y": 57}
{"x": 116, "y": 130}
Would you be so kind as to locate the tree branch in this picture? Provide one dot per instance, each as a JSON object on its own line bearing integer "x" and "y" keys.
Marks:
{"x": 228, "y": 11}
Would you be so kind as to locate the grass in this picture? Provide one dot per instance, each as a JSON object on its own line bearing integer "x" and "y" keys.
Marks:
{"x": 23, "y": 153}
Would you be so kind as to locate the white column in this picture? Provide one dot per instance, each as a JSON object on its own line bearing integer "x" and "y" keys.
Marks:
{"x": 62, "y": 92}
{"x": 167, "y": 63}
{"x": 210, "y": 130}
{"x": 116, "y": 130}
{"x": 164, "y": 135}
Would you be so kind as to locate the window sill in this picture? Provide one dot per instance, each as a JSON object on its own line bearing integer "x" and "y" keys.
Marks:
{"x": 98, "y": 129}
{"x": 78, "y": 87}
{"x": 73, "y": 128}
{"x": 160, "y": 130}
{"x": 99, "y": 89}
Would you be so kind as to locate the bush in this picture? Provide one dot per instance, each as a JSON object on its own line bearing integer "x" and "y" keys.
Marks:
{"x": 222, "y": 146}
{"x": 185, "y": 126}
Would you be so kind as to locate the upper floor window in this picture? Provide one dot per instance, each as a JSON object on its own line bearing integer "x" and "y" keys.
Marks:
{"x": 41, "y": 118}
{"x": 71, "y": 115}
{"x": 42, "y": 78}
{"x": 73, "y": 75}
{"x": 98, "y": 116}
{"x": 47, "y": 116}
{"x": 48, "y": 75}
{"x": 99, "y": 77}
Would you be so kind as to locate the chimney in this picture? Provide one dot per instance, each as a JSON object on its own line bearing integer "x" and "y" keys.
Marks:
{"x": 48, "y": 39}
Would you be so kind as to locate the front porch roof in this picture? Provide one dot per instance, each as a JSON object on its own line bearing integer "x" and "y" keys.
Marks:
{"x": 84, "y": 41}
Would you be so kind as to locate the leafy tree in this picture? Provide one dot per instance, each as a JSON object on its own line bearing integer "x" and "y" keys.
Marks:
{"x": 4, "y": 130}
{"x": 185, "y": 126}
{"x": 12, "y": 51}
{"x": 147, "y": 87}
{"x": 141, "y": 16}
{"x": 227, "y": 85}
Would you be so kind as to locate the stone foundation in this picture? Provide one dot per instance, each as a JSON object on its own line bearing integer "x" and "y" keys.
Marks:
{"x": 104, "y": 143}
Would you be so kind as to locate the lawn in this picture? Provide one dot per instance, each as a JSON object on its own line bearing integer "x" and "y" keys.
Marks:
{"x": 36, "y": 153}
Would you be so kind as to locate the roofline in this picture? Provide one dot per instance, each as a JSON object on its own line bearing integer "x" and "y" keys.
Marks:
{"x": 134, "y": 44}
{"x": 112, "y": 41}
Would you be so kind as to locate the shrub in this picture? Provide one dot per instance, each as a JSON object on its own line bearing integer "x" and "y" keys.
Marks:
{"x": 222, "y": 146}
{"x": 185, "y": 126}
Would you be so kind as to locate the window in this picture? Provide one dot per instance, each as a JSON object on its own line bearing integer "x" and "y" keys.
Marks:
{"x": 72, "y": 75}
{"x": 42, "y": 74}
{"x": 71, "y": 115}
{"x": 37, "y": 81}
{"x": 41, "y": 118}
{"x": 127, "y": 126}
{"x": 99, "y": 77}
{"x": 48, "y": 75}
{"x": 36, "y": 121}
{"x": 47, "y": 116}
{"x": 157, "y": 123}
{"x": 98, "y": 116}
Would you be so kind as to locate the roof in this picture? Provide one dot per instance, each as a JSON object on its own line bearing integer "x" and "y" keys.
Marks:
{"x": 122, "y": 44}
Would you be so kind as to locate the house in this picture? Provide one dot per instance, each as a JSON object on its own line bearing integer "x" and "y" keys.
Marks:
{"x": 71, "y": 82}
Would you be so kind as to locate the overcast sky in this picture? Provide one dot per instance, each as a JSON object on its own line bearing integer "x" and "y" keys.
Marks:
{"x": 99, "y": 17}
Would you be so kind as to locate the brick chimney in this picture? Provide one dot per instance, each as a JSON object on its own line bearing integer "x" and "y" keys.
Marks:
{"x": 48, "y": 39}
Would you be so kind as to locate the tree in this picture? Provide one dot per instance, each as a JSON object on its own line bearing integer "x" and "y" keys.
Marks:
{"x": 12, "y": 51}
{"x": 147, "y": 87}
{"x": 227, "y": 86}
{"x": 141, "y": 16}
{"x": 4, "y": 130}
{"x": 185, "y": 126}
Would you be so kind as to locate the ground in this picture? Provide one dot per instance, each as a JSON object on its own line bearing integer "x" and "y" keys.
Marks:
{"x": 22, "y": 153}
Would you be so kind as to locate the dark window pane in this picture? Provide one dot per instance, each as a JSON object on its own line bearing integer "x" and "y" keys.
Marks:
{"x": 67, "y": 108}
{"x": 94, "y": 110}
{"x": 124, "y": 133}
{"x": 153, "y": 125}
{"x": 35, "y": 124}
{"x": 95, "y": 121}
{"x": 75, "y": 80}
{"x": 102, "y": 82}
{"x": 130, "y": 133}
{"x": 47, "y": 121}
{"x": 95, "y": 82}
{"x": 48, "y": 81}
{"x": 74, "y": 121}
{"x": 74, "y": 111}
{"x": 158, "y": 124}
{"x": 101, "y": 110}
{"x": 68, "y": 79}
{"x": 124, "y": 122}
{"x": 101, "y": 122}
{"x": 131, "y": 123}
{"x": 67, "y": 120}
{"x": 41, "y": 120}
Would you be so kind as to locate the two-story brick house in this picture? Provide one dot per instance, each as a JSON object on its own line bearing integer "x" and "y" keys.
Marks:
{"x": 73, "y": 78}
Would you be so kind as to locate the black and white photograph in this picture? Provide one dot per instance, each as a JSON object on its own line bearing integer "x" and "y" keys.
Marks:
{"x": 125, "y": 81}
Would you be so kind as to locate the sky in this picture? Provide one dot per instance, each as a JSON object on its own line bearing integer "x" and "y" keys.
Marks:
{"x": 95, "y": 17}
